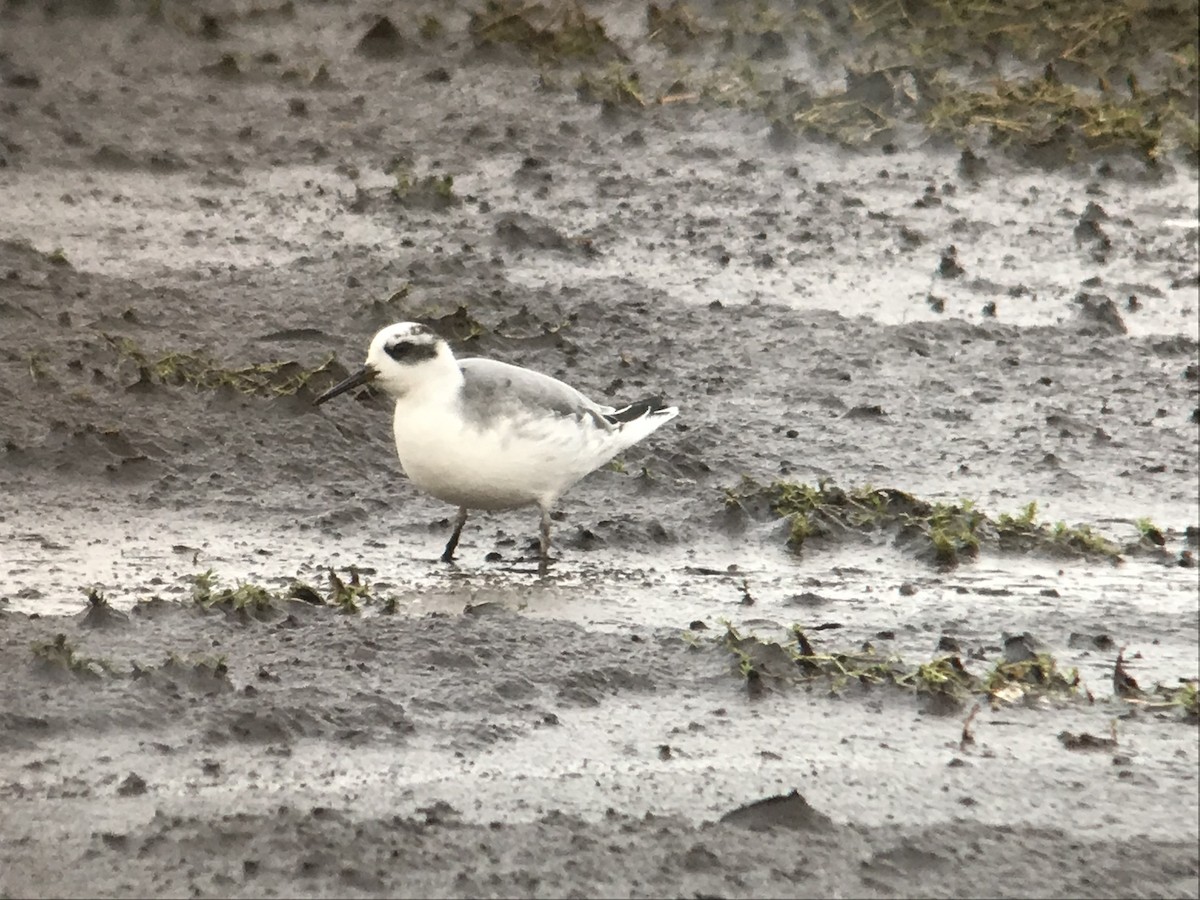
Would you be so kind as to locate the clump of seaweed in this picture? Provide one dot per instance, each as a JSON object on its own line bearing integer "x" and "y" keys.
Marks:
{"x": 59, "y": 657}
{"x": 305, "y": 592}
{"x": 1027, "y": 672}
{"x": 1149, "y": 532}
{"x": 943, "y": 682}
{"x": 617, "y": 85}
{"x": 1022, "y": 532}
{"x": 254, "y": 602}
{"x": 944, "y": 679}
{"x": 348, "y": 596}
{"x": 1183, "y": 697}
{"x": 208, "y": 674}
{"x": 1080, "y": 79}
{"x": 952, "y": 529}
{"x": 1044, "y": 112}
{"x": 551, "y": 32}
{"x": 277, "y": 378}
{"x": 1023, "y": 523}
{"x": 1083, "y": 539}
{"x": 100, "y": 613}
{"x": 1079, "y": 31}
{"x": 944, "y": 533}
{"x": 244, "y": 601}
{"x": 429, "y": 192}
{"x": 843, "y": 119}
{"x": 58, "y": 257}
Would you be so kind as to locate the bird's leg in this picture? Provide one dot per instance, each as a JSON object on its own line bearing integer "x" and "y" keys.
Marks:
{"x": 448, "y": 553}
{"x": 544, "y": 562}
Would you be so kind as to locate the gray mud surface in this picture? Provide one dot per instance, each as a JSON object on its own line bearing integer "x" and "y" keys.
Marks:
{"x": 204, "y": 220}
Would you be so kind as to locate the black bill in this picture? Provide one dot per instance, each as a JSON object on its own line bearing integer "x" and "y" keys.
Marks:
{"x": 363, "y": 376}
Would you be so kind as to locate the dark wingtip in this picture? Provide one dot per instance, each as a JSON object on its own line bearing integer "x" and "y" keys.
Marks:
{"x": 634, "y": 411}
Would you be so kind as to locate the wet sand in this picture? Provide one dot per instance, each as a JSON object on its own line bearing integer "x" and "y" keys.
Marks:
{"x": 201, "y": 232}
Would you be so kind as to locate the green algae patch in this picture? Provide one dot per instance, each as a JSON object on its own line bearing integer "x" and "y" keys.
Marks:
{"x": 276, "y": 378}
{"x": 58, "y": 257}
{"x": 551, "y": 32}
{"x": 348, "y": 596}
{"x": 1023, "y": 533}
{"x": 616, "y": 85}
{"x": 429, "y": 192}
{"x": 1097, "y": 36}
{"x": 246, "y": 601}
{"x": 943, "y": 682}
{"x": 1045, "y": 118}
{"x": 1026, "y": 673}
{"x": 842, "y": 118}
{"x": 205, "y": 674}
{"x": 1051, "y": 83}
{"x": 1183, "y": 697}
{"x": 1040, "y": 674}
{"x": 942, "y": 533}
{"x": 1080, "y": 77}
{"x": 60, "y": 658}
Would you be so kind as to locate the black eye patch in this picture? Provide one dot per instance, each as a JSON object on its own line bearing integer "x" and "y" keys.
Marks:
{"x": 410, "y": 351}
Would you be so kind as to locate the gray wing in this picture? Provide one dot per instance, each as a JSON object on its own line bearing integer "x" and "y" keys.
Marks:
{"x": 492, "y": 388}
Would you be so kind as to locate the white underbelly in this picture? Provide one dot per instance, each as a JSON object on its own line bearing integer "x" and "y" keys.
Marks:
{"x": 518, "y": 464}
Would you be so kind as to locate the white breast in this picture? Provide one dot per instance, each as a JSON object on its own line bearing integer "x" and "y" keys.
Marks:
{"x": 510, "y": 461}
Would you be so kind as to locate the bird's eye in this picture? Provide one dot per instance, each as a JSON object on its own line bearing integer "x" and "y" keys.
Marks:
{"x": 410, "y": 352}
{"x": 399, "y": 350}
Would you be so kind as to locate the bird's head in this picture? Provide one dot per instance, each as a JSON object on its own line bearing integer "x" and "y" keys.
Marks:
{"x": 401, "y": 357}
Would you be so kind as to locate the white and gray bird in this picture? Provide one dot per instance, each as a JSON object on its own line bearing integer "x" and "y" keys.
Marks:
{"x": 483, "y": 434}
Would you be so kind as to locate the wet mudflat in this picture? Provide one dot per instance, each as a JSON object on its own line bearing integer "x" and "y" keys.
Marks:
{"x": 231, "y": 663}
